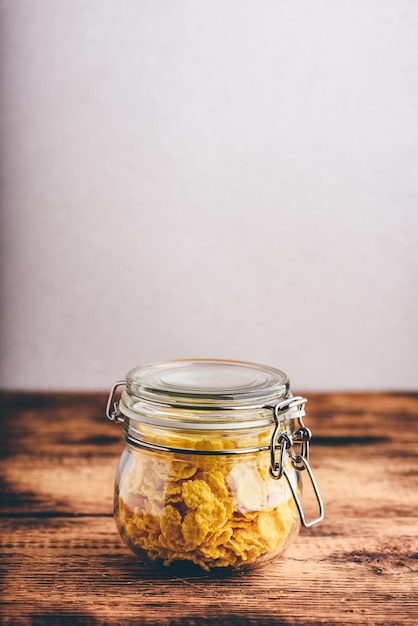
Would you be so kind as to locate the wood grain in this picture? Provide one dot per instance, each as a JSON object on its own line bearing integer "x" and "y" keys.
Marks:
{"x": 63, "y": 562}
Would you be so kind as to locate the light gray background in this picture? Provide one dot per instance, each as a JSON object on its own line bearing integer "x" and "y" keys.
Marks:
{"x": 223, "y": 178}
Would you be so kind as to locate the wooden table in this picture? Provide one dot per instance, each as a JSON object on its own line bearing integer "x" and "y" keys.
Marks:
{"x": 64, "y": 563}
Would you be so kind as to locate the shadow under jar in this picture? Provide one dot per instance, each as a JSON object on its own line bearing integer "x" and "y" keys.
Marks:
{"x": 211, "y": 470}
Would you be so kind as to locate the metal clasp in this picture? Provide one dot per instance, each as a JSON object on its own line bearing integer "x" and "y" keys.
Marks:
{"x": 112, "y": 408}
{"x": 282, "y": 442}
{"x": 301, "y": 460}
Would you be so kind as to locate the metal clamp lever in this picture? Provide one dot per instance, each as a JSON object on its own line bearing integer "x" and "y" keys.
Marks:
{"x": 112, "y": 408}
{"x": 297, "y": 462}
{"x": 282, "y": 442}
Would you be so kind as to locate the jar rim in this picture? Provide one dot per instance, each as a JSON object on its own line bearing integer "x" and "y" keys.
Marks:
{"x": 207, "y": 383}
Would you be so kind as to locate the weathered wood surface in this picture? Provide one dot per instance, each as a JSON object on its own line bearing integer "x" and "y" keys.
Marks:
{"x": 63, "y": 562}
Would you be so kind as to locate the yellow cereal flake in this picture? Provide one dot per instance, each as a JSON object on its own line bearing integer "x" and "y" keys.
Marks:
{"x": 213, "y": 511}
{"x": 181, "y": 469}
{"x": 194, "y": 528}
{"x": 214, "y": 444}
{"x": 170, "y": 523}
{"x": 216, "y": 481}
{"x": 195, "y": 492}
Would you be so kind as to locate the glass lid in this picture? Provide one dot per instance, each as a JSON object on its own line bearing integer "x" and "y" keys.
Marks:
{"x": 207, "y": 382}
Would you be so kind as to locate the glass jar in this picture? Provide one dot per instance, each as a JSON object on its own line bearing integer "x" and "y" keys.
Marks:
{"x": 211, "y": 471}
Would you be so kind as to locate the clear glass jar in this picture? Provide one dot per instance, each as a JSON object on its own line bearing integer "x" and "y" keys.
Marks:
{"x": 210, "y": 474}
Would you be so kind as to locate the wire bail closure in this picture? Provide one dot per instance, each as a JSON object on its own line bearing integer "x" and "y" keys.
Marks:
{"x": 112, "y": 408}
{"x": 282, "y": 442}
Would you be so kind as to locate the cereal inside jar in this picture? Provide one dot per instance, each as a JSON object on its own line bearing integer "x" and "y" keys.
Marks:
{"x": 209, "y": 475}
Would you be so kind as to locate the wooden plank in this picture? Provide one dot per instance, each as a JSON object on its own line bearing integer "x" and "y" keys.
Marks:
{"x": 377, "y": 485}
{"x": 54, "y": 425}
{"x": 80, "y": 567}
{"x": 74, "y": 424}
{"x": 56, "y": 486}
{"x": 63, "y": 561}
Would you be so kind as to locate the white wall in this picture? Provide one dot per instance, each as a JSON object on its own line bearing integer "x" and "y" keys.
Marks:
{"x": 232, "y": 179}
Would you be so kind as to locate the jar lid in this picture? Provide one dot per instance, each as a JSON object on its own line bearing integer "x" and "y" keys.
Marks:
{"x": 207, "y": 382}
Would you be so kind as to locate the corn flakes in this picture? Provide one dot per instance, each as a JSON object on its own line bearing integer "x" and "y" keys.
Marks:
{"x": 213, "y": 511}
